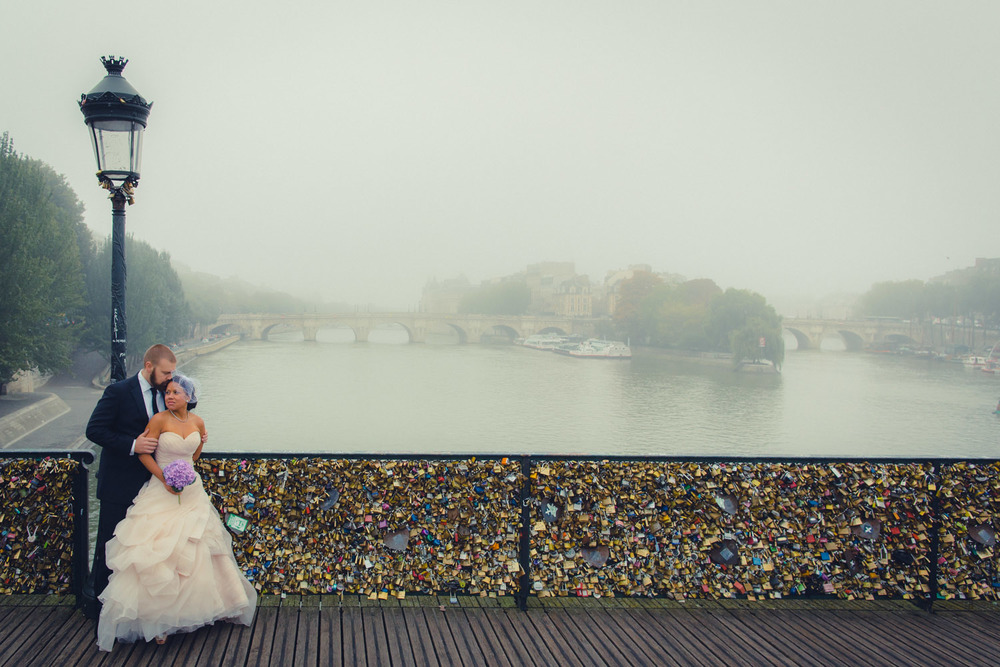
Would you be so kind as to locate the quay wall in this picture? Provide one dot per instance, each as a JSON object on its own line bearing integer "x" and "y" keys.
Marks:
{"x": 187, "y": 354}
{"x": 26, "y": 382}
{"x": 33, "y": 415}
{"x": 184, "y": 355}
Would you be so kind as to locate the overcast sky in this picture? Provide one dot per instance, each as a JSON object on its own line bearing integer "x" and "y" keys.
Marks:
{"x": 351, "y": 151}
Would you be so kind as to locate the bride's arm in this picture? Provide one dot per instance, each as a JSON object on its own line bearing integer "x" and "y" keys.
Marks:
{"x": 204, "y": 436}
{"x": 155, "y": 428}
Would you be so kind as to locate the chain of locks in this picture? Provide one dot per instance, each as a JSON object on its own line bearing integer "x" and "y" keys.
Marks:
{"x": 36, "y": 525}
{"x": 725, "y": 530}
{"x": 377, "y": 528}
{"x": 969, "y": 496}
{"x": 598, "y": 528}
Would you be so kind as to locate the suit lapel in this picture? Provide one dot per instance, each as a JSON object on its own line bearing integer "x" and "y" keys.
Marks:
{"x": 136, "y": 391}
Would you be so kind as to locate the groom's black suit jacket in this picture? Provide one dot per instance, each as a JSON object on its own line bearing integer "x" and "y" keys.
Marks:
{"x": 117, "y": 419}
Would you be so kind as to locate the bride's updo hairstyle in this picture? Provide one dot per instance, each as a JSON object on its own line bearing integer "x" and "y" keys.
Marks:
{"x": 187, "y": 384}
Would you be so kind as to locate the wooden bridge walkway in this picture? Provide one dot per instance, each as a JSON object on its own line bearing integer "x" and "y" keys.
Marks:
{"x": 329, "y": 630}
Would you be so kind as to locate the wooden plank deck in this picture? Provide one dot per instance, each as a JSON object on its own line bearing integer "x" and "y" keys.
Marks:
{"x": 332, "y": 630}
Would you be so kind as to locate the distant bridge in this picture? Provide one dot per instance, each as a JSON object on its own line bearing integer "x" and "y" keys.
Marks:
{"x": 469, "y": 328}
{"x": 856, "y": 334}
{"x": 875, "y": 332}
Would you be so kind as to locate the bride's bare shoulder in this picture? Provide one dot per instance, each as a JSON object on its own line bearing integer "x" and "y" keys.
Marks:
{"x": 159, "y": 420}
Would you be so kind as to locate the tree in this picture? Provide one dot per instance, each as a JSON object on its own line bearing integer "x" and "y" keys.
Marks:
{"x": 972, "y": 293}
{"x": 509, "y": 298}
{"x": 204, "y": 295}
{"x": 980, "y": 295}
{"x": 41, "y": 281}
{"x": 758, "y": 340}
{"x": 739, "y": 320}
{"x": 940, "y": 299}
{"x": 699, "y": 292}
{"x": 678, "y": 316}
{"x": 633, "y": 322}
{"x": 154, "y": 300}
{"x": 894, "y": 299}
{"x": 208, "y": 296}
{"x": 69, "y": 210}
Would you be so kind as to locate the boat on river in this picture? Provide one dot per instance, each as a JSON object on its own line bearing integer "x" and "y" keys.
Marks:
{"x": 594, "y": 348}
{"x": 991, "y": 364}
{"x": 546, "y": 341}
{"x": 576, "y": 346}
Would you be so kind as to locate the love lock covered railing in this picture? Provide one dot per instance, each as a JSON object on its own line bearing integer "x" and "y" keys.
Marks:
{"x": 389, "y": 526}
{"x": 43, "y": 521}
{"x": 589, "y": 526}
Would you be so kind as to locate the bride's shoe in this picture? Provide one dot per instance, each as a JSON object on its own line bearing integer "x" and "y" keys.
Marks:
{"x": 161, "y": 640}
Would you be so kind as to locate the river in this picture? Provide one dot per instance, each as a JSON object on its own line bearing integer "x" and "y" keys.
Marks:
{"x": 383, "y": 397}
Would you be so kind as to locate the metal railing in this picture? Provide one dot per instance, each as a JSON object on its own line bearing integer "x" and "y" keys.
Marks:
{"x": 44, "y": 544}
{"x": 391, "y": 525}
{"x": 656, "y": 526}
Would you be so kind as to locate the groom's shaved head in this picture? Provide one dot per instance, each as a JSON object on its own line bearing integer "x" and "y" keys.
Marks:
{"x": 157, "y": 353}
{"x": 158, "y": 366}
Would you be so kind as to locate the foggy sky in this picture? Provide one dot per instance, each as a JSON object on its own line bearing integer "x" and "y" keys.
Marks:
{"x": 351, "y": 151}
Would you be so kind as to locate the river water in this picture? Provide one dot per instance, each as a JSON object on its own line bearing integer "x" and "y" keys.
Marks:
{"x": 287, "y": 395}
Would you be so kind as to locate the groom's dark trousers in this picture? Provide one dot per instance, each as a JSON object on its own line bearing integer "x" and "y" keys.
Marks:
{"x": 119, "y": 417}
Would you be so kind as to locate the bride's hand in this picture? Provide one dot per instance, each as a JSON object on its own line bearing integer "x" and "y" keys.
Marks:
{"x": 170, "y": 489}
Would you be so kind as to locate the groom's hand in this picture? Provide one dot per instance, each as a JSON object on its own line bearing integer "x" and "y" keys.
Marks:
{"x": 145, "y": 444}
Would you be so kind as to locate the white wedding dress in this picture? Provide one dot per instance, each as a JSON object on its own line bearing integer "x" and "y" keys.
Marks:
{"x": 172, "y": 564}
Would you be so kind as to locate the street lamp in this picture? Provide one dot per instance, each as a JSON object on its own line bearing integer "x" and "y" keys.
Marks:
{"x": 116, "y": 114}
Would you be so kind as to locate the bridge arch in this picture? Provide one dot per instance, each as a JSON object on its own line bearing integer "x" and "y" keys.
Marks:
{"x": 387, "y": 326}
{"x": 228, "y": 329}
{"x": 853, "y": 341}
{"x": 801, "y": 338}
{"x": 334, "y": 338}
{"x": 460, "y": 331}
{"x": 463, "y": 335}
{"x": 266, "y": 329}
{"x": 491, "y": 333}
{"x": 470, "y": 328}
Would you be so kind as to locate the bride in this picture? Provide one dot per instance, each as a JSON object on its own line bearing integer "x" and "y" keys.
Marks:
{"x": 171, "y": 559}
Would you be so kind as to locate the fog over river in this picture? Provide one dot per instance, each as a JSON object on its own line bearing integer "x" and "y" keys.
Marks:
{"x": 383, "y": 397}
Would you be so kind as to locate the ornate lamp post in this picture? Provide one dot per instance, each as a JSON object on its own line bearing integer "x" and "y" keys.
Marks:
{"x": 116, "y": 114}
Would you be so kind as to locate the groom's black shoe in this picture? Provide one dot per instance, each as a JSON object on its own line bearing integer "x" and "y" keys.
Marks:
{"x": 88, "y": 601}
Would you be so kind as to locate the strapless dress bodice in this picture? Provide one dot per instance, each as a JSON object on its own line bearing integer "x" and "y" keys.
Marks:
{"x": 173, "y": 447}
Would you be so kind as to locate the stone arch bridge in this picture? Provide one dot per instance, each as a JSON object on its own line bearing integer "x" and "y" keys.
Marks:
{"x": 469, "y": 328}
{"x": 886, "y": 332}
{"x": 856, "y": 334}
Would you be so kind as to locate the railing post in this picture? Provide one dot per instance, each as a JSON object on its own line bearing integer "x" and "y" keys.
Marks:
{"x": 80, "y": 569}
{"x": 524, "y": 546}
{"x": 935, "y": 536}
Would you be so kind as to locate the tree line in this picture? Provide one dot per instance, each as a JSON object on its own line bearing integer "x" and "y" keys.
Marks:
{"x": 695, "y": 315}
{"x": 973, "y": 294}
{"x": 698, "y": 315}
{"x": 56, "y": 276}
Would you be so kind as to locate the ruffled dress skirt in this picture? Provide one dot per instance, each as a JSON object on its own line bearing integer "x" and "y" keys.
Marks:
{"x": 172, "y": 569}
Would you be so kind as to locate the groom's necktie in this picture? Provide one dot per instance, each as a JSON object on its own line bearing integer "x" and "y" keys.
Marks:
{"x": 155, "y": 406}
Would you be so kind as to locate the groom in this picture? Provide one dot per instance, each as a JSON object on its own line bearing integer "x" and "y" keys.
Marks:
{"x": 118, "y": 426}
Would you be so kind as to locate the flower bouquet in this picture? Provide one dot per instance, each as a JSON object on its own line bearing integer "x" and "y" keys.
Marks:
{"x": 178, "y": 474}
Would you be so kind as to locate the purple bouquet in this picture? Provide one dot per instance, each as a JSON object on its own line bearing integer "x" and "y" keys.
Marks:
{"x": 178, "y": 474}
